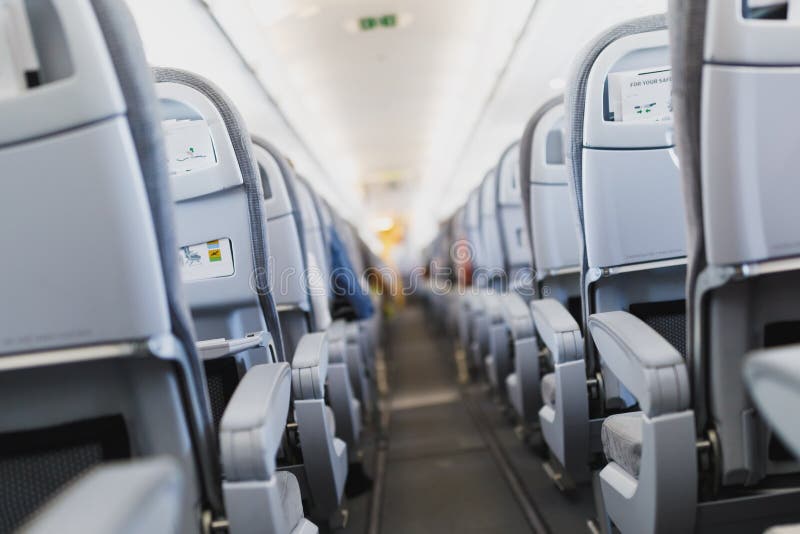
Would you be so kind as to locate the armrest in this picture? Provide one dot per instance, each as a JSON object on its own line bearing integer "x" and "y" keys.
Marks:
{"x": 773, "y": 378}
{"x": 211, "y": 349}
{"x": 652, "y": 369}
{"x": 558, "y": 330}
{"x": 134, "y": 497}
{"x": 337, "y": 342}
{"x": 253, "y": 423}
{"x": 310, "y": 366}
{"x": 517, "y": 315}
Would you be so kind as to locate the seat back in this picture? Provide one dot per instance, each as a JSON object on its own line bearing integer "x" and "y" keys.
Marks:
{"x": 98, "y": 340}
{"x": 317, "y": 248}
{"x": 511, "y": 223}
{"x": 736, "y": 140}
{"x": 220, "y": 225}
{"x": 472, "y": 228}
{"x": 287, "y": 236}
{"x": 625, "y": 183}
{"x": 351, "y": 240}
{"x": 546, "y": 199}
{"x": 494, "y": 262}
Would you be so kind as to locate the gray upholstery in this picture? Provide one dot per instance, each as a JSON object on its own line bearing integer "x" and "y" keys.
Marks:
{"x": 526, "y": 160}
{"x": 138, "y": 497}
{"x": 549, "y": 388}
{"x": 240, "y": 139}
{"x": 621, "y": 436}
{"x": 310, "y": 366}
{"x": 773, "y": 377}
{"x": 687, "y": 18}
{"x": 252, "y": 427}
{"x": 136, "y": 82}
{"x": 290, "y": 497}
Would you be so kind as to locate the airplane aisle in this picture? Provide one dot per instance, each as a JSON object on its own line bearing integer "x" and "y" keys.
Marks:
{"x": 453, "y": 462}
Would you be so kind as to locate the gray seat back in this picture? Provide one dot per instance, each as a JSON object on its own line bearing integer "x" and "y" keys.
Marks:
{"x": 511, "y": 222}
{"x": 99, "y": 341}
{"x": 625, "y": 184}
{"x": 220, "y": 225}
{"x": 546, "y": 199}
{"x": 472, "y": 227}
{"x": 494, "y": 261}
{"x": 736, "y": 138}
{"x": 287, "y": 236}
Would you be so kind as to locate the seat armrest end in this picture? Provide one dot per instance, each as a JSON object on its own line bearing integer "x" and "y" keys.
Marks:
{"x": 558, "y": 330}
{"x": 254, "y": 421}
{"x": 652, "y": 369}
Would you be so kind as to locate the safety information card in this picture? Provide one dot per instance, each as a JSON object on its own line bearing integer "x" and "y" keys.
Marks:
{"x": 640, "y": 95}
{"x": 206, "y": 260}
{"x": 189, "y": 146}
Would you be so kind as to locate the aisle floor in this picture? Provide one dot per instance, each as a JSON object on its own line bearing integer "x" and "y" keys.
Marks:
{"x": 448, "y": 445}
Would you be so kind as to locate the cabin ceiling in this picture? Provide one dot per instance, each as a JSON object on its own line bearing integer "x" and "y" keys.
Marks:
{"x": 402, "y": 116}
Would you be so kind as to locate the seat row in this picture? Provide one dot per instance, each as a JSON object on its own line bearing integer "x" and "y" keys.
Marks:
{"x": 187, "y": 344}
{"x": 627, "y": 278}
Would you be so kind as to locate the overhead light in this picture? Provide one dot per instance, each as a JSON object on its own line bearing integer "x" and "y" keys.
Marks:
{"x": 557, "y": 83}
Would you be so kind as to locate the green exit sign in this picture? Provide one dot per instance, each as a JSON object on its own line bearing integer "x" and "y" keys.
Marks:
{"x": 384, "y": 21}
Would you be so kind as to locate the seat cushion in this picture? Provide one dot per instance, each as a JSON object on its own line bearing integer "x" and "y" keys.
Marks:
{"x": 291, "y": 501}
{"x": 548, "y": 386}
{"x": 622, "y": 440}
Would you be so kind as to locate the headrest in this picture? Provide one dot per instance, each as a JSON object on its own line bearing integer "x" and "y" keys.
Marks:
{"x": 200, "y": 153}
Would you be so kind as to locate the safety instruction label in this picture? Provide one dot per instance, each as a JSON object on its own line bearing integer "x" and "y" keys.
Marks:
{"x": 641, "y": 95}
{"x": 189, "y": 146}
{"x": 213, "y": 259}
